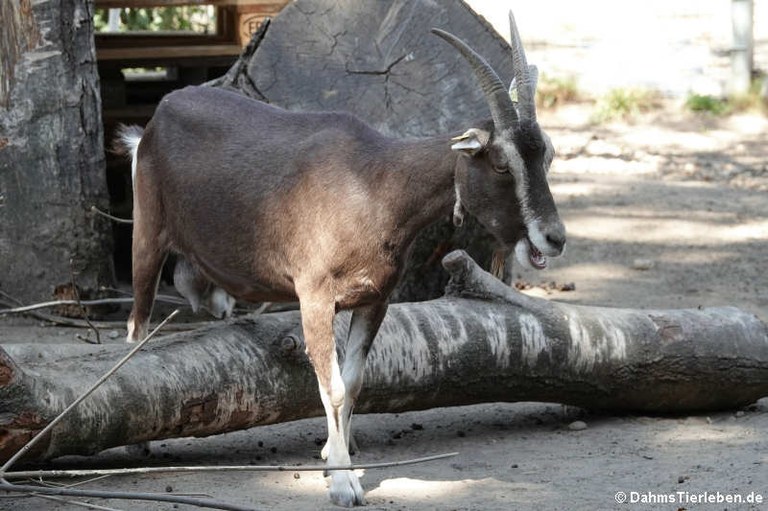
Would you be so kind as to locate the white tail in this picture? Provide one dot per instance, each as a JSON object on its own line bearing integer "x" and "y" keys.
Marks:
{"x": 128, "y": 138}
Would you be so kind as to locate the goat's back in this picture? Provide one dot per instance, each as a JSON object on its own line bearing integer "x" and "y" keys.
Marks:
{"x": 240, "y": 184}
{"x": 210, "y": 136}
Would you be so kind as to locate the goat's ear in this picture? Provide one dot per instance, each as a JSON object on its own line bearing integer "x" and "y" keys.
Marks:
{"x": 471, "y": 141}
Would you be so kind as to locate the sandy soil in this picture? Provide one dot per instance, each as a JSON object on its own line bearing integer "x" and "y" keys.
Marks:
{"x": 670, "y": 211}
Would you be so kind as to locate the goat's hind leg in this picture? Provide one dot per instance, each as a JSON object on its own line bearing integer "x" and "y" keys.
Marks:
{"x": 317, "y": 314}
{"x": 149, "y": 251}
{"x": 146, "y": 274}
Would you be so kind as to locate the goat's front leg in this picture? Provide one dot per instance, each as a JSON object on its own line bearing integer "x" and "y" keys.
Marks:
{"x": 317, "y": 311}
{"x": 363, "y": 327}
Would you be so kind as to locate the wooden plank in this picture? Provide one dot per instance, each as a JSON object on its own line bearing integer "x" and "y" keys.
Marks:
{"x": 115, "y": 4}
{"x": 168, "y": 52}
{"x": 129, "y": 113}
{"x": 157, "y": 39}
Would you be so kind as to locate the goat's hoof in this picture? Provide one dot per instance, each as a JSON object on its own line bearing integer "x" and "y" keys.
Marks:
{"x": 346, "y": 490}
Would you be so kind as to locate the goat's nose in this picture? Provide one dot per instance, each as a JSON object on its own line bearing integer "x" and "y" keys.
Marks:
{"x": 555, "y": 237}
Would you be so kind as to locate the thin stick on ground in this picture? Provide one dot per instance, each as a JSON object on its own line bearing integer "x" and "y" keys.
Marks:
{"x": 9, "y": 297}
{"x": 82, "y": 308}
{"x": 54, "y": 484}
{"x": 31, "y": 310}
{"x": 16, "y": 306}
{"x": 56, "y": 303}
{"x": 21, "y": 452}
{"x": 70, "y": 485}
{"x": 221, "y": 468}
{"x": 22, "y": 309}
{"x": 76, "y": 503}
{"x": 157, "y": 497}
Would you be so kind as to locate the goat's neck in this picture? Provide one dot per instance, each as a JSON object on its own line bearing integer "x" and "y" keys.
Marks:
{"x": 422, "y": 189}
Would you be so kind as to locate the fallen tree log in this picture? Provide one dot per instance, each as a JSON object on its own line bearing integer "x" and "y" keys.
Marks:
{"x": 482, "y": 342}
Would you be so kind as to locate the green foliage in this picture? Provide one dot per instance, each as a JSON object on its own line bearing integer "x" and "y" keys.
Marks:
{"x": 625, "y": 103}
{"x": 197, "y": 19}
{"x": 706, "y": 103}
{"x": 553, "y": 92}
{"x": 100, "y": 19}
{"x": 751, "y": 101}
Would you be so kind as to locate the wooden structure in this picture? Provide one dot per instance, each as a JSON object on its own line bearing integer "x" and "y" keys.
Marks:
{"x": 188, "y": 59}
{"x": 236, "y": 22}
{"x": 197, "y": 57}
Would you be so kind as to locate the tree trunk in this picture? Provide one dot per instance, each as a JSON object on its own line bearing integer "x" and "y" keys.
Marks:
{"x": 742, "y": 51}
{"x": 51, "y": 150}
{"x": 482, "y": 342}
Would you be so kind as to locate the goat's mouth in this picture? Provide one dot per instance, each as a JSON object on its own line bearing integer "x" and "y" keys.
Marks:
{"x": 529, "y": 255}
{"x": 537, "y": 259}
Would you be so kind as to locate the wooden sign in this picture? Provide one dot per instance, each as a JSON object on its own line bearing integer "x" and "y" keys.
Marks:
{"x": 250, "y": 17}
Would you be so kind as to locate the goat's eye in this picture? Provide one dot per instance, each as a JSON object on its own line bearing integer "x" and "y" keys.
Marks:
{"x": 500, "y": 168}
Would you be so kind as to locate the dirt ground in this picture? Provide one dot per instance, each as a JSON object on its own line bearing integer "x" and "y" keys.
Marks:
{"x": 668, "y": 211}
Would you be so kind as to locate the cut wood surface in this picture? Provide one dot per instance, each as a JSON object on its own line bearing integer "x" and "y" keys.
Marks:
{"x": 482, "y": 342}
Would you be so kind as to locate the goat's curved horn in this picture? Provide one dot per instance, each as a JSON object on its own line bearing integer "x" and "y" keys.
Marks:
{"x": 502, "y": 109}
{"x": 525, "y": 86}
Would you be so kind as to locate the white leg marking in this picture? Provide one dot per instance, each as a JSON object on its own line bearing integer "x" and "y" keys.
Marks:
{"x": 345, "y": 486}
{"x": 136, "y": 332}
{"x": 363, "y": 328}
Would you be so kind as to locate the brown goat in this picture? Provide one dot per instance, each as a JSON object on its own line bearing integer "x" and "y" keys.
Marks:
{"x": 273, "y": 205}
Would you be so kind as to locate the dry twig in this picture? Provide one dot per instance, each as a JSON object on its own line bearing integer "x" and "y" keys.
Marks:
{"x": 101, "y": 301}
{"x": 96, "y": 210}
{"x": 75, "y": 503}
{"x": 32, "y": 311}
{"x": 56, "y": 303}
{"x": 222, "y": 468}
{"x": 82, "y": 397}
{"x": 83, "y": 311}
{"x": 41, "y": 490}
